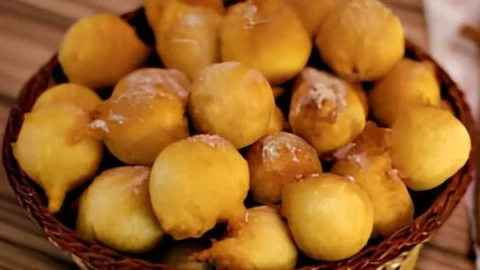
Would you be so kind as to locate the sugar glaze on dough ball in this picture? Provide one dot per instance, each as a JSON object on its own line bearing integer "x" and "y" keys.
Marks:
{"x": 99, "y": 50}
{"x": 145, "y": 113}
{"x": 197, "y": 182}
{"x": 326, "y": 111}
{"x": 174, "y": 81}
{"x": 276, "y": 161}
{"x": 233, "y": 101}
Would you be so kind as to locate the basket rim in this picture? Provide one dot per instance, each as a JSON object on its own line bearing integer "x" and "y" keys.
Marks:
{"x": 100, "y": 256}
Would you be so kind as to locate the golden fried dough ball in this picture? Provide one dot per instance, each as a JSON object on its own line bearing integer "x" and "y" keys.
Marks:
{"x": 265, "y": 35}
{"x": 145, "y": 113}
{"x": 187, "y": 37}
{"x": 312, "y": 13}
{"x": 197, "y": 182}
{"x": 429, "y": 145}
{"x": 330, "y": 218}
{"x": 233, "y": 101}
{"x": 367, "y": 162}
{"x": 99, "y": 50}
{"x": 326, "y": 111}
{"x": 361, "y": 40}
{"x": 263, "y": 243}
{"x": 55, "y": 150}
{"x": 68, "y": 93}
{"x": 276, "y": 161}
{"x": 409, "y": 83}
{"x": 116, "y": 210}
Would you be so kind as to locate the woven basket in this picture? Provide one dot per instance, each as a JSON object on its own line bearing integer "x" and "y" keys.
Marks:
{"x": 432, "y": 207}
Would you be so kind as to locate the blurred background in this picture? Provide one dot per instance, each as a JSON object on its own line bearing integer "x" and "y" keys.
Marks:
{"x": 31, "y": 30}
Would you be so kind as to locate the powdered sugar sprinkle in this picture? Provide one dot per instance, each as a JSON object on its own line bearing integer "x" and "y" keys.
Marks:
{"x": 270, "y": 150}
{"x": 322, "y": 88}
{"x": 272, "y": 145}
{"x": 348, "y": 152}
{"x": 393, "y": 173}
{"x": 143, "y": 83}
{"x": 359, "y": 158}
{"x": 304, "y": 176}
{"x": 320, "y": 92}
{"x": 213, "y": 141}
{"x": 99, "y": 124}
{"x": 136, "y": 182}
{"x": 343, "y": 151}
{"x": 116, "y": 117}
{"x": 250, "y": 17}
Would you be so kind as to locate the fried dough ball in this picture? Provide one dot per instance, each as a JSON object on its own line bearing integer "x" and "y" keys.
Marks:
{"x": 326, "y": 111}
{"x": 99, "y": 50}
{"x": 197, "y": 182}
{"x": 233, "y": 101}
{"x": 55, "y": 150}
{"x": 429, "y": 145}
{"x": 361, "y": 40}
{"x": 187, "y": 37}
{"x": 259, "y": 33}
{"x": 409, "y": 83}
{"x": 144, "y": 114}
{"x": 330, "y": 218}
{"x": 116, "y": 210}
{"x": 154, "y": 8}
{"x": 276, "y": 161}
{"x": 312, "y": 13}
{"x": 367, "y": 161}
{"x": 277, "y": 121}
{"x": 263, "y": 243}
{"x": 68, "y": 93}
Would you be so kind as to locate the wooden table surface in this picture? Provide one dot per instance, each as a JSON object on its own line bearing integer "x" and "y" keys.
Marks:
{"x": 31, "y": 30}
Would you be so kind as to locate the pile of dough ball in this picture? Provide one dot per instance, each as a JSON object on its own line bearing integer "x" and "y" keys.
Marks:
{"x": 204, "y": 140}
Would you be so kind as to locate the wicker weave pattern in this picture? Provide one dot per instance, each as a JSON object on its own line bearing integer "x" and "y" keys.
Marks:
{"x": 98, "y": 256}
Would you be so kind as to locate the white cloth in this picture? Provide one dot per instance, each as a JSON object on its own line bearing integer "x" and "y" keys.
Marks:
{"x": 459, "y": 57}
